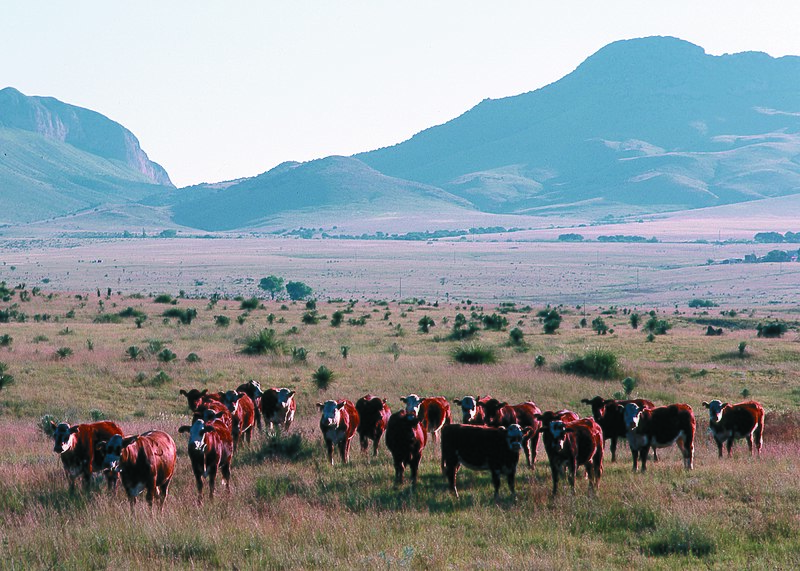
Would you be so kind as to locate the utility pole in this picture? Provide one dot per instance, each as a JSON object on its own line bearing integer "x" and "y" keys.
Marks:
{"x": 401, "y": 289}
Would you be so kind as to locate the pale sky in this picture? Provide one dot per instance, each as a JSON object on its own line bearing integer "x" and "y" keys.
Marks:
{"x": 217, "y": 90}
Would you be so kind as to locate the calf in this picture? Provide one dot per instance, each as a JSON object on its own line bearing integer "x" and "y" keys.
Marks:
{"x": 659, "y": 427}
{"x": 573, "y": 443}
{"x": 143, "y": 461}
{"x": 731, "y": 421}
{"x": 612, "y": 421}
{"x": 435, "y": 412}
{"x": 278, "y": 407}
{"x": 338, "y": 425}
{"x": 373, "y": 415}
{"x": 210, "y": 449}
{"x": 209, "y": 410}
{"x": 252, "y": 389}
{"x": 471, "y": 409}
{"x": 405, "y": 439}
{"x": 242, "y": 413}
{"x": 194, "y": 397}
{"x": 498, "y": 413}
{"x": 482, "y": 448}
{"x": 76, "y": 445}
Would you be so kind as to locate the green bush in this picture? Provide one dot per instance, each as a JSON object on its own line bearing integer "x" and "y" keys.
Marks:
{"x": 185, "y": 316}
{"x": 262, "y": 343}
{"x": 310, "y": 317}
{"x": 494, "y": 322}
{"x": 772, "y": 329}
{"x": 516, "y": 337}
{"x": 635, "y": 318}
{"x": 425, "y": 323}
{"x": 250, "y": 304}
{"x": 222, "y": 320}
{"x": 299, "y": 354}
{"x": 163, "y": 298}
{"x": 134, "y": 352}
{"x": 551, "y": 321}
{"x": 539, "y": 361}
{"x": 63, "y": 352}
{"x": 337, "y": 318}
{"x": 166, "y": 356}
{"x": 323, "y": 377}
{"x": 6, "y": 340}
{"x": 599, "y": 326}
{"x": 5, "y": 378}
{"x": 657, "y": 326}
{"x": 597, "y": 363}
{"x": 131, "y": 312}
{"x": 474, "y": 354}
{"x": 193, "y": 358}
{"x": 106, "y": 318}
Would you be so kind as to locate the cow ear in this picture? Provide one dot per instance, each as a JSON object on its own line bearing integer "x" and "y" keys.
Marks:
{"x": 528, "y": 431}
{"x": 725, "y": 404}
{"x": 184, "y": 428}
{"x": 291, "y": 394}
{"x": 403, "y": 399}
{"x": 503, "y": 428}
{"x": 586, "y": 401}
{"x": 220, "y": 414}
{"x": 537, "y": 416}
{"x": 320, "y": 405}
{"x": 457, "y": 401}
{"x": 340, "y": 405}
{"x": 502, "y": 404}
{"x": 101, "y": 446}
{"x": 237, "y": 397}
{"x": 383, "y": 400}
{"x": 53, "y": 425}
{"x": 705, "y": 404}
{"x": 209, "y": 428}
{"x": 73, "y": 429}
{"x": 204, "y": 392}
{"x": 183, "y": 392}
{"x": 128, "y": 440}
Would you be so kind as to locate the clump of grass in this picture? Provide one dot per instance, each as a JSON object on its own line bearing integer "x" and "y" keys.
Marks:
{"x": 596, "y": 363}
{"x": 166, "y": 355}
{"x": 551, "y": 320}
{"x": 323, "y": 378}
{"x": 97, "y": 415}
{"x": 425, "y": 323}
{"x": 5, "y": 378}
{"x": 45, "y": 426}
{"x": 222, "y": 320}
{"x": 63, "y": 352}
{"x": 186, "y": 316}
{"x": 539, "y": 361}
{"x": 681, "y": 539}
{"x": 310, "y": 317}
{"x": 262, "y": 343}
{"x": 657, "y": 326}
{"x": 336, "y": 318}
{"x": 474, "y": 354}
{"x": 250, "y": 304}
{"x": 193, "y": 358}
{"x": 6, "y": 340}
{"x": 279, "y": 445}
{"x": 131, "y": 312}
{"x": 494, "y": 322}
{"x": 742, "y": 347}
{"x": 159, "y": 379}
{"x": 299, "y": 354}
{"x": 772, "y": 329}
{"x": 134, "y": 353}
{"x": 108, "y": 318}
{"x": 164, "y": 298}
{"x": 154, "y": 346}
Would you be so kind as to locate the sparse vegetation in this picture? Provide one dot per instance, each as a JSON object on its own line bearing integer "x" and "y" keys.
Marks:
{"x": 596, "y": 363}
{"x": 474, "y": 354}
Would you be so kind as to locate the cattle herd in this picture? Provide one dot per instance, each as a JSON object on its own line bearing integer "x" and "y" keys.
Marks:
{"x": 489, "y": 437}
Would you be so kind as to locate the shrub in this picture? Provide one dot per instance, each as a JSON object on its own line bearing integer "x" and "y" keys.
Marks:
{"x": 222, "y": 320}
{"x": 696, "y": 303}
{"x": 628, "y": 384}
{"x": 105, "y": 318}
{"x": 262, "y": 343}
{"x": 154, "y": 346}
{"x": 539, "y": 361}
{"x": 657, "y": 326}
{"x": 63, "y": 352}
{"x": 516, "y": 337}
{"x": 710, "y": 331}
{"x": 650, "y": 338}
{"x": 474, "y": 354}
{"x": 298, "y": 290}
{"x": 494, "y": 322}
{"x": 597, "y": 363}
{"x": 6, "y": 340}
{"x": 299, "y": 354}
{"x": 310, "y": 318}
{"x": 772, "y": 329}
{"x": 322, "y": 377}
{"x": 311, "y": 304}
{"x": 241, "y": 319}
{"x": 97, "y": 415}
{"x": 425, "y": 323}
{"x": 344, "y": 350}
{"x": 45, "y": 424}
{"x": 160, "y": 378}
{"x": 337, "y": 318}
{"x": 634, "y": 319}
{"x": 551, "y": 320}
{"x": 193, "y": 358}
{"x": 166, "y": 356}
{"x": 163, "y": 298}
{"x": 250, "y": 304}
{"x": 5, "y": 378}
{"x": 131, "y": 312}
{"x": 742, "y": 347}
{"x": 599, "y": 325}
{"x": 134, "y": 352}
{"x": 185, "y": 316}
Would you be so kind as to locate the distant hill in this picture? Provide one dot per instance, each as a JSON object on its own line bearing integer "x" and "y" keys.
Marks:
{"x": 650, "y": 124}
{"x": 338, "y": 184}
{"x": 57, "y": 159}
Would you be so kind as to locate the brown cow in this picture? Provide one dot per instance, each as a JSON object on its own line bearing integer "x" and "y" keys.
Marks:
{"x": 195, "y": 396}
{"x": 373, "y": 415}
{"x": 278, "y": 407}
{"x": 570, "y": 444}
{"x": 435, "y": 412}
{"x": 730, "y": 421}
{"x": 498, "y": 413}
{"x": 338, "y": 425}
{"x": 252, "y": 389}
{"x": 76, "y": 445}
{"x": 482, "y": 448}
{"x": 612, "y": 421}
{"x": 405, "y": 439}
{"x": 471, "y": 410}
{"x": 210, "y": 449}
{"x": 242, "y": 415}
{"x": 660, "y": 427}
{"x": 144, "y": 462}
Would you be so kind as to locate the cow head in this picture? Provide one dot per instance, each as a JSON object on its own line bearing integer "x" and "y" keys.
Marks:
{"x": 412, "y": 403}
{"x": 598, "y": 406}
{"x": 558, "y": 432}
{"x": 632, "y": 415}
{"x": 331, "y": 413}
{"x": 285, "y": 397}
{"x": 231, "y": 400}
{"x": 469, "y": 408}
{"x": 63, "y": 436}
{"x": 197, "y": 434}
{"x": 491, "y": 410}
{"x": 257, "y": 392}
{"x": 514, "y": 436}
{"x": 715, "y": 409}
{"x": 111, "y": 451}
{"x": 193, "y": 397}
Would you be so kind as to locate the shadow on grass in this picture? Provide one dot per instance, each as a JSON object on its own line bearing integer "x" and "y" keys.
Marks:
{"x": 281, "y": 446}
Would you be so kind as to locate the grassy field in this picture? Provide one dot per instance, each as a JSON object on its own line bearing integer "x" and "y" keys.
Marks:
{"x": 288, "y": 509}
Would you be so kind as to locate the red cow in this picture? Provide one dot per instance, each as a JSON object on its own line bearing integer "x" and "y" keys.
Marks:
{"x": 194, "y": 397}
{"x": 278, "y": 407}
{"x": 612, "y": 421}
{"x": 338, "y": 425}
{"x": 76, "y": 445}
{"x": 210, "y": 449}
{"x": 482, "y": 448}
{"x": 731, "y": 421}
{"x": 242, "y": 415}
{"x": 570, "y": 444}
{"x": 471, "y": 409}
{"x": 143, "y": 461}
{"x": 252, "y": 389}
{"x": 498, "y": 413}
{"x": 209, "y": 410}
{"x": 405, "y": 439}
{"x": 435, "y": 412}
{"x": 660, "y": 427}
{"x": 373, "y": 415}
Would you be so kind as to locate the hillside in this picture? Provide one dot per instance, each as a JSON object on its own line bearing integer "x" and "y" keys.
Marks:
{"x": 58, "y": 159}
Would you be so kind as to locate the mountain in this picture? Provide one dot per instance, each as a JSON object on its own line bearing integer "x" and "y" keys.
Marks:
{"x": 651, "y": 124}
{"x": 339, "y": 185}
{"x": 56, "y": 159}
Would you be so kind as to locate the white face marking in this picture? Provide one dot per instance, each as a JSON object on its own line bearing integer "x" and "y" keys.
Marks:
{"x": 715, "y": 410}
{"x": 113, "y": 453}
{"x": 285, "y": 397}
{"x": 412, "y": 403}
{"x": 231, "y": 401}
{"x": 330, "y": 414}
{"x": 64, "y": 439}
{"x": 558, "y": 433}
{"x": 257, "y": 389}
{"x": 632, "y": 415}
{"x": 197, "y": 436}
{"x": 514, "y": 437}
{"x": 469, "y": 408}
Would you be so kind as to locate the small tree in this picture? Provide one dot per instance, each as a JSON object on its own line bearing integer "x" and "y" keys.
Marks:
{"x": 599, "y": 325}
{"x": 271, "y": 284}
{"x": 742, "y": 347}
{"x": 551, "y": 321}
{"x": 628, "y": 384}
{"x": 425, "y": 324}
{"x": 298, "y": 290}
{"x": 635, "y": 318}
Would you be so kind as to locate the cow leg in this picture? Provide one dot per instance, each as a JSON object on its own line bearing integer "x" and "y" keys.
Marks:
{"x": 212, "y": 480}
{"x": 533, "y": 443}
{"x": 111, "y": 482}
{"x": 512, "y": 476}
{"x": 719, "y": 446}
{"x": 344, "y": 450}
{"x": 399, "y": 469}
{"x": 750, "y": 443}
{"x": 635, "y": 454}
{"x": 364, "y": 441}
{"x": 758, "y": 436}
{"x": 375, "y": 446}
{"x": 414, "y": 464}
{"x": 555, "y": 470}
{"x": 613, "y": 449}
{"x": 87, "y": 481}
{"x": 452, "y": 471}
{"x": 496, "y": 483}
{"x": 226, "y": 475}
{"x": 258, "y": 419}
{"x": 729, "y": 446}
{"x": 162, "y": 497}
{"x": 329, "y": 447}
{"x": 643, "y": 454}
{"x": 573, "y": 467}
{"x": 655, "y": 455}
{"x": 198, "y": 479}
{"x": 689, "y": 453}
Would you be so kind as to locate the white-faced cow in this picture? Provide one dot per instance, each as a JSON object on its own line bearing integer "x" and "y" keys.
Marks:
{"x": 77, "y": 447}
{"x": 731, "y": 421}
{"x": 210, "y": 449}
{"x": 278, "y": 407}
{"x": 373, "y": 416}
{"x": 242, "y": 415}
{"x": 145, "y": 462}
{"x": 571, "y": 444}
{"x": 435, "y": 412}
{"x": 660, "y": 427}
{"x": 482, "y": 448}
{"x": 471, "y": 410}
{"x": 611, "y": 419}
{"x": 405, "y": 439}
{"x": 338, "y": 424}
{"x": 498, "y": 413}
{"x": 252, "y": 389}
